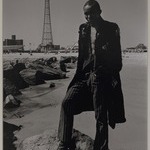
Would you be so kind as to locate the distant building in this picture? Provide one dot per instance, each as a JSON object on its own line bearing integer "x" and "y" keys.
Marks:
{"x": 56, "y": 47}
{"x": 140, "y": 48}
{"x": 13, "y": 45}
{"x": 47, "y": 48}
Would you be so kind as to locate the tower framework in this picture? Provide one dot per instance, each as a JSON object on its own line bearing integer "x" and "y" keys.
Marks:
{"x": 47, "y": 39}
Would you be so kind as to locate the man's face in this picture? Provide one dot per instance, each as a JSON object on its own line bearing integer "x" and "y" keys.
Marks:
{"x": 91, "y": 15}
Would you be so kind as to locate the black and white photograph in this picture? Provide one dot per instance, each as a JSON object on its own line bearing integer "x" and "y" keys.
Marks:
{"x": 75, "y": 74}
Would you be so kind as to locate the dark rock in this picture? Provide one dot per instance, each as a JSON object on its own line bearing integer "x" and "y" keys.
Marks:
{"x": 10, "y": 88}
{"x": 8, "y": 136}
{"x": 71, "y": 65}
{"x": 15, "y": 78}
{"x": 40, "y": 61}
{"x": 11, "y": 102}
{"x": 68, "y": 59}
{"x": 65, "y": 59}
{"x": 48, "y": 73}
{"x": 63, "y": 66}
{"x": 55, "y": 65}
{"x": 52, "y": 85}
{"x": 32, "y": 76}
{"x": 4, "y": 94}
{"x": 19, "y": 67}
{"x": 67, "y": 62}
{"x": 51, "y": 60}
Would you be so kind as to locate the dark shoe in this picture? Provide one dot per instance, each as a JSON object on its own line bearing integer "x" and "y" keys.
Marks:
{"x": 63, "y": 146}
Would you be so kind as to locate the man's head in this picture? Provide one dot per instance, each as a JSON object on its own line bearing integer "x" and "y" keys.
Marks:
{"x": 92, "y": 11}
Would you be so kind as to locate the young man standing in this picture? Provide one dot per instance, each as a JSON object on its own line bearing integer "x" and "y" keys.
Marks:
{"x": 96, "y": 84}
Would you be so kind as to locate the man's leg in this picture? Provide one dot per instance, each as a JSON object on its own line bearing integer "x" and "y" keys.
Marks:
{"x": 100, "y": 107}
{"x": 70, "y": 105}
{"x": 101, "y": 138}
{"x": 65, "y": 125}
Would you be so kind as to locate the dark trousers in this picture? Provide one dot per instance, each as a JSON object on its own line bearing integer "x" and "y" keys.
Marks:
{"x": 83, "y": 96}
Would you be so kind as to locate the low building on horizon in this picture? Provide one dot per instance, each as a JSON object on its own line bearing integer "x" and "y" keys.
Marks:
{"x": 13, "y": 45}
{"x": 140, "y": 48}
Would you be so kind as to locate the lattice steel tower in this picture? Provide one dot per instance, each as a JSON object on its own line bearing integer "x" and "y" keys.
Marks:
{"x": 47, "y": 39}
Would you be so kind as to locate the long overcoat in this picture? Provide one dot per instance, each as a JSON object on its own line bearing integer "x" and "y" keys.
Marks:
{"x": 109, "y": 63}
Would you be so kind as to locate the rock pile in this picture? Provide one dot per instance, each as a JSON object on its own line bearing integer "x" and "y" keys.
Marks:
{"x": 19, "y": 74}
{"x": 48, "y": 141}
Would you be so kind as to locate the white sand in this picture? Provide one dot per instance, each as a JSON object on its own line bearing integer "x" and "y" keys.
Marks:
{"x": 131, "y": 135}
{"x": 12, "y": 56}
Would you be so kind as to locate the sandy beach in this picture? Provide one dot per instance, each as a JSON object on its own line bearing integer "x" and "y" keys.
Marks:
{"x": 40, "y": 107}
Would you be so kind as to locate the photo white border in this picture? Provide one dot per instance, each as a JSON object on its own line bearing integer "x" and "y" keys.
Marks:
{"x": 1, "y": 79}
{"x": 148, "y": 78}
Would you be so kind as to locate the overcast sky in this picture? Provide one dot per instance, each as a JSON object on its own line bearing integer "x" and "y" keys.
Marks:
{"x": 24, "y": 18}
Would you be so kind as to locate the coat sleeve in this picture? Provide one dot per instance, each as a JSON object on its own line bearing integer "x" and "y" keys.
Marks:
{"x": 116, "y": 59}
{"x": 78, "y": 73}
{"x": 112, "y": 60}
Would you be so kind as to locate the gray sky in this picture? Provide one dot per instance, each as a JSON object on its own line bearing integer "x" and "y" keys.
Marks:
{"x": 24, "y": 18}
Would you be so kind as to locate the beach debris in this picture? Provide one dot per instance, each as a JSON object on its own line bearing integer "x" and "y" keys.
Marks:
{"x": 48, "y": 141}
{"x": 11, "y": 102}
{"x": 52, "y": 84}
